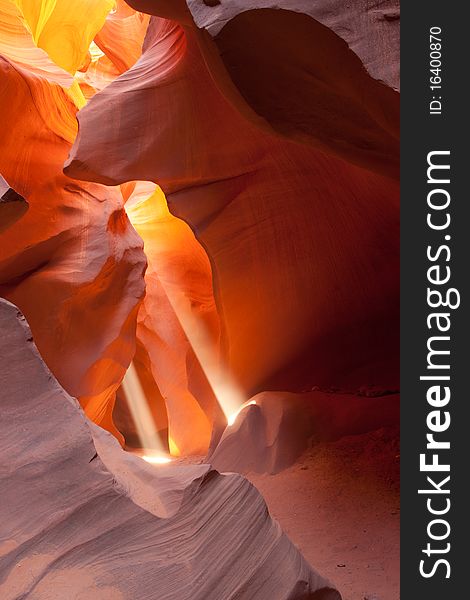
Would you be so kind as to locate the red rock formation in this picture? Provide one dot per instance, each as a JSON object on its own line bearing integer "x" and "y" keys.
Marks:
{"x": 12, "y": 205}
{"x": 99, "y": 523}
{"x": 122, "y": 36}
{"x": 303, "y": 245}
{"x": 73, "y": 263}
{"x": 116, "y": 47}
{"x": 178, "y": 310}
{"x": 272, "y": 128}
{"x": 317, "y": 73}
{"x": 372, "y": 32}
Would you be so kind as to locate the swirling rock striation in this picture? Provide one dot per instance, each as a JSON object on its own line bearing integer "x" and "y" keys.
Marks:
{"x": 82, "y": 517}
{"x": 72, "y": 263}
{"x": 319, "y": 73}
{"x": 303, "y": 245}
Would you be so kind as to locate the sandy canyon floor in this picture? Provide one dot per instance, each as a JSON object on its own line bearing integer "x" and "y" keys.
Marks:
{"x": 340, "y": 505}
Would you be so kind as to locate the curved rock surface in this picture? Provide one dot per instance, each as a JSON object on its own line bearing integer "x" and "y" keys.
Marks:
{"x": 275, "y": 428}
{"x": 80, "y": 517}
{"x": 72, "y": 263}
{"x": 122, "y": 36}
{"x": 303, "y": 245}
{"x": 177, "y": 317}
{"x": 64, "y": 31}
{"x": 371, "y": 29}
{"x": 17, "y": 44}
{"x": 12, "y": 205}
{"x": 318, "y": 73}
{"x": 116, "y": 47}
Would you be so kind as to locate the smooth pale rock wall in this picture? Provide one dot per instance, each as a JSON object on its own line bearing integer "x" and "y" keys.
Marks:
{"x": 81, "y": 517}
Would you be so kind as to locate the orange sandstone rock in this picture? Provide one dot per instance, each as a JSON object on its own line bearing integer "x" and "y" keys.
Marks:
{"x": 303, "y": 244}
{"x": 73, "y": 263}
{"x": 319, "y": 73}
{"x": 122, "y": 36}
{"x": 18, "y": 46}
{"x": 178, "y": 321}
{"x": 12, "y": 205}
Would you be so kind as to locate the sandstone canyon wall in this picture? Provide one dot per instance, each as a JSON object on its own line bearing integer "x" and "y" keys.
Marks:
{"x": 279, "y": 151}
{"x": 82, "y": 518}
{"x": 303, "y": 243}
{"x": 177, "y": 320}
{"x": 200, "y": 195}
{"x": 72, "y": 262}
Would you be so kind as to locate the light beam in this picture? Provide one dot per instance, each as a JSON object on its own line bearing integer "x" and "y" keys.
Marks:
{"x": 154, "y": 451}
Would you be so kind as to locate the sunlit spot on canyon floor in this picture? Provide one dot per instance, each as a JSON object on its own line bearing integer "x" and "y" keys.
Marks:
{"x": 156, "y": 460}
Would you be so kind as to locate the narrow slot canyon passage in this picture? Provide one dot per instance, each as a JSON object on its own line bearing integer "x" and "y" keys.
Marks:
{"x": 199, "y": 300}
{"x": 179, "y": 336}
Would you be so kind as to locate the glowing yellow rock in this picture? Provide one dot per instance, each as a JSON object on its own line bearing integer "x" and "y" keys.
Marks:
{"x": 18, "y": 46}
{"x": 65, "y": 30}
